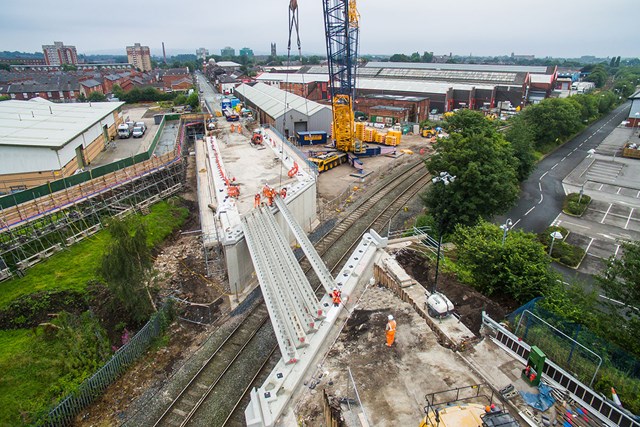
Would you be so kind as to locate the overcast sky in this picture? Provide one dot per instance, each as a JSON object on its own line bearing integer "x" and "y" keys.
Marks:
{"x": 560, "y": 28}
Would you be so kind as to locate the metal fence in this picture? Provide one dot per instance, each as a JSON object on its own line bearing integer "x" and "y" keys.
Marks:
{"x": 91, "y": 388}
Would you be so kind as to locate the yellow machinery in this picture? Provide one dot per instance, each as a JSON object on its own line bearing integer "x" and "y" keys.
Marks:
{"x": 328, "y": 160}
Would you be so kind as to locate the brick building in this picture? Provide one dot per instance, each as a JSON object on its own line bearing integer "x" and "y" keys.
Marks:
{"x": 401, "y": 108}
{"x": 139, "y": 57}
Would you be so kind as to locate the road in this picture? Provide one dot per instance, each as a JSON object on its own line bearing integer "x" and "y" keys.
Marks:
{"x": 542, "y": 194}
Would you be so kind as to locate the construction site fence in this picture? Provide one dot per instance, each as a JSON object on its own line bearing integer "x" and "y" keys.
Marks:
{"x": 62, "y": 184}
{"x": 69, "y": 407}
{"x": 312, "y": 166}
{"x": 537, "y": 333}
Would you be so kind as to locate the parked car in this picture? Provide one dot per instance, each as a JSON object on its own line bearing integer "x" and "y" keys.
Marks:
{"x": 141, "y": 125}
{"x": 138, "y": 131}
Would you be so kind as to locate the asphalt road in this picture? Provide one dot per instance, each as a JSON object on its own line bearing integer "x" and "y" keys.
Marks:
{"x": 542, "y": 194}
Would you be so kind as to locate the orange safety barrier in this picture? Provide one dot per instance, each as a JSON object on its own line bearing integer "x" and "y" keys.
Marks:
{"x": 293, "y": 171}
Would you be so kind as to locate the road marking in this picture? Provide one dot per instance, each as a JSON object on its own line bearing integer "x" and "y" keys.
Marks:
{"x": 619, "y": 188}
{"x": 577, "y": 225}
{"x": 629, "y": 219}
{"x": 541, "y": 197}
{"x": 606, "y": 213}
{"x": 563, "y": 159}
{"x": 555, "y": 220}
{"x": 516, "y": 223}
{"x": 600, "y": 188}
{"x": 574, "y": 149}
{"x": 638, "y": 195}
{"x": 554, "y": 166}
{"x": 527, "y": 213}
{"x": 606, "y": 236}
{"x": 617, "y": 249}
{"x": 539, "y": 186}
{"x": 548, "y": 172}
{"x": 618, "y": 302}
{"x": 586, "y": 251}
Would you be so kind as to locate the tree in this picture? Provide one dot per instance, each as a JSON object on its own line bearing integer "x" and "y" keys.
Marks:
{"x": 468, "y": 122}
{"x": 96, "y": 97}
{"x": 69, "y": 67}
{"x": 181, "y": 99}
{"x": 126, "y": 265}
{"x": 117, "y": 91}
{"x": 598, "y": 75}
{"x": 519, "y": 267}
{"x": 193, "y": 100}
{"x": 621, "y": 282}
{"x": 520, "y": 136}
{"x": 485, "y": 184}
{"x": 552, "y": 119}
{"x": 5, "y": 67}
{"x": 427, "y": 57}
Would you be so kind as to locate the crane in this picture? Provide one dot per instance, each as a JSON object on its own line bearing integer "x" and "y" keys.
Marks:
{"x": 341, "y": 20}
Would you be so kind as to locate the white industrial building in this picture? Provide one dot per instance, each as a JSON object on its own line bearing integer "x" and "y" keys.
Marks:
{"x": 42, "y": 141}
{"x": 287, "y": 112}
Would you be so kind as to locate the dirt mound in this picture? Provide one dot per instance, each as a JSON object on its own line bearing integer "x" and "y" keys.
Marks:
{"x": 468, "y": 302}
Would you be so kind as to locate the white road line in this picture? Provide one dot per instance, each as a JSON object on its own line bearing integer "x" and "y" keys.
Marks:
{"x": 629, "y": 219}
{"x": 600, "y": 188}
{"x": 527, "y": 213}
{"x": 577, "y": 225}
{"x": 539, "y": 186}
{"x": 606, "y": 213}
{"x": 541, "y": 198}
{"x": 619, "y": 302}
{"x": 638, "y": 195}
{"x": 548, "y": 172}
{"x": 574, "y": 149}
{"x": 619, "y": 188}
{"x": 586, "y": 251}
{"x": 563, "y": 159}
{"x": 516, "y": 223}
{"x": 617, "y": 249}
{"x": 554, "y": 166}
{"x": 555, "y": 220}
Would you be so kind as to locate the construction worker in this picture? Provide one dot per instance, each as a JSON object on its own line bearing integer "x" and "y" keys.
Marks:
{"x": 391, "y": 331}
{"x": 337, "y": 297}
{"x": 256, "y": 200}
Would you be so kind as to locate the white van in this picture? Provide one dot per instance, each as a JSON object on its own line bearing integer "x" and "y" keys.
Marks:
{"x": 138, "y": 131}
{"x": 123, "y": 131}
{"x": 141, "y": 125}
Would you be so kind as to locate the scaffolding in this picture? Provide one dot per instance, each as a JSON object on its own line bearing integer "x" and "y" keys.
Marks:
{"x": 36, "y": 229}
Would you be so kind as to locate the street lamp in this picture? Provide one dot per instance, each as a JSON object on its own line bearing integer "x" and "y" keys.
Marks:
{"x": 505, "y": 227}
{"x": 446, "y": 178}
{"x": 555, "y": 235}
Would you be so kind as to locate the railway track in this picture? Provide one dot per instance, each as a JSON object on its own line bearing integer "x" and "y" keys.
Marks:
{"x": 219, "y": 392}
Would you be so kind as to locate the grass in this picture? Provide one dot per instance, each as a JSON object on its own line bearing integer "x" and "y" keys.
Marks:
{"x": 572, "y": 207}
{"x": 32, "y": 370}
{"x": 28, "y": 376}
{"x": 74, "y": 267}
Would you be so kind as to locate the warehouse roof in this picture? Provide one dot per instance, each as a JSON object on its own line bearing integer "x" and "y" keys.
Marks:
{"x": 293, "y": 78}
{"x": 41, "y": 123}
{"x": 462, "y": 67}
{"x": 274, "y": 101}
{"x": 419, "y": 86}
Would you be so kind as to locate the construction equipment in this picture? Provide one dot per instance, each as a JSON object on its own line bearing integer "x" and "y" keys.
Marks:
{"x": 469, "y": 408}
{"x": 341, "y": 29}
{"x": 257, "y": 137}
{"x": 329, "y": 160}
{"x": 438, "y": 305}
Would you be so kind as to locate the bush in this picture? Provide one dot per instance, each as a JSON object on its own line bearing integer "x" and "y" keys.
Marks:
{"x": 563, "y": 252}
{"x": 575, "y": 205}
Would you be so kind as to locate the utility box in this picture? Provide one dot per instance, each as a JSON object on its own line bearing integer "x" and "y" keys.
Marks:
{"x": 532, "y": 373}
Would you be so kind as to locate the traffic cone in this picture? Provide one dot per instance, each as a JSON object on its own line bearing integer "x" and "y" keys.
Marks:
{"x": 615, "y": 397}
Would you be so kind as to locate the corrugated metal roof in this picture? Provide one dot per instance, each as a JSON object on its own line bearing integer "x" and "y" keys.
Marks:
{"x": 293, "y": 78}
{"x": 272, "y": 100}
{"x": 419, "y": 86}
{"x": 42, "y": 123}
{"x": 461, "y": 67}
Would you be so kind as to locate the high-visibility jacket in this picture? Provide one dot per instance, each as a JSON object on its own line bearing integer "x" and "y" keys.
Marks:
{"x": 337, "y": 297}
{"x": 391, "y": 326}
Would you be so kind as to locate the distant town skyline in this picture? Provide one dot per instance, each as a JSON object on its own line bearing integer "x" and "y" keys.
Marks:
{"x": 556, "y": 28}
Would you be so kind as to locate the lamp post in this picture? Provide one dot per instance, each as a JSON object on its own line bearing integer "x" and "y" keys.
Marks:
{"x": 446, "y": 178}
{"x": 555, "y": 235}
{"x": 505, "y": 227}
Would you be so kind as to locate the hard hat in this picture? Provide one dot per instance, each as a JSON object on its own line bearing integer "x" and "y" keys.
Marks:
{"x": 335, "y": 289}
{"x": 390, "y": 317}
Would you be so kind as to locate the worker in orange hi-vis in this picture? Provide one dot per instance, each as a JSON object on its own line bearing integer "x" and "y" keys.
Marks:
{"x": 336, "y": 295}
{"x": 391, "y": 331}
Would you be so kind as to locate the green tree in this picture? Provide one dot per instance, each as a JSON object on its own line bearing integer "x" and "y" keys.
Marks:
{"x": 588, "y": 105}
{"x": 552, "y": 119}
{"x": 427, "y": 57}
{"x": 126, "y": 266}
{"x": 598, "y": 75}
{"x": 520, "y": 136}
{"x": 194, "y": 101}
{"x": 181, "y": 99}
{"x": 607, "y": 101}
{"x": 518, "y": 268}
{"x": 5, "y": 67}
{"x": 468, "y": 122}
{"x": 4, "y": 97}
{"x": 69, "y": 67}
{"x": 486, "y": 182}
{"x": 96, "y": 97}
{"x": 621, "y": 282}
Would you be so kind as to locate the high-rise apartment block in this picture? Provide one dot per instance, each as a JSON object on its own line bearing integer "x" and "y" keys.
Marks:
{"x": 58, "y": 54}
{"x": 202, "y": 53}
{"x": 245, "y": 51}
{"x": 228, "y": 51}
{"x": 139, "y": 57}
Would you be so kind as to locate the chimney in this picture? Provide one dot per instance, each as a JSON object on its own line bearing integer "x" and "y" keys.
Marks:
{"x": 164, "y": 54}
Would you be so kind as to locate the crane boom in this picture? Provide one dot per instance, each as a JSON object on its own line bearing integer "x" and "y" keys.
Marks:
{"x": 341, "y": 23}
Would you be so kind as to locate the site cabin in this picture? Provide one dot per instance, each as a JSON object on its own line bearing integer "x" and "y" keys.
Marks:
{"x": 226, "y": 103}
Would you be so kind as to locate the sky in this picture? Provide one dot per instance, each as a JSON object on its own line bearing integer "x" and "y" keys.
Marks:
{"x": 558, "y": 28}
